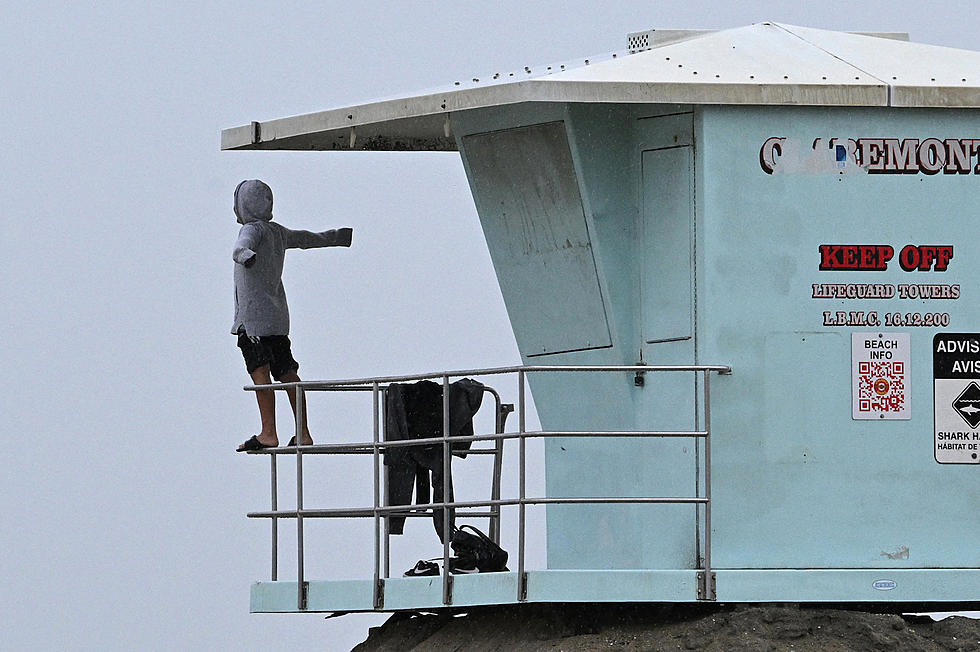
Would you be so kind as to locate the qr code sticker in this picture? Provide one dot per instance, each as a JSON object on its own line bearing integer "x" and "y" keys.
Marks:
{"x": 881, "y": 386}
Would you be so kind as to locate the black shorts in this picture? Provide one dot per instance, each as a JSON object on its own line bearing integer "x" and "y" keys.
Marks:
{"x": 272, "y": 350}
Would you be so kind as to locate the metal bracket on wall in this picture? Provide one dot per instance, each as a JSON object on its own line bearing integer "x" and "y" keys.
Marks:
{"x": 447, "y": 595}
{"x": 305, "y": 596}
{"x": 379, "y": 595}
{"x": 706, "y": 586}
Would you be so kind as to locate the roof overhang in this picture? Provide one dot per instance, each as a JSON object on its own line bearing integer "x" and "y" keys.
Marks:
{"x": 764, "y": 64}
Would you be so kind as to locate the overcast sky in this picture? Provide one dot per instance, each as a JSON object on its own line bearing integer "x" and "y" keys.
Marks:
{"x": 123, "y": 502}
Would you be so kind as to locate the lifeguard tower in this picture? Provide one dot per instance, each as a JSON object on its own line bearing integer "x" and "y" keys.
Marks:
{"x": 740, "y": 269}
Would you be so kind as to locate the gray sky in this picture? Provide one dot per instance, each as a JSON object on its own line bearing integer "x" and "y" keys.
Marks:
{"x": 123, "y": 502}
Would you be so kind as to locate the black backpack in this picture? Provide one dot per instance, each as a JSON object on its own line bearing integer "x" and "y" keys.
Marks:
{"x": 478, "y": 547}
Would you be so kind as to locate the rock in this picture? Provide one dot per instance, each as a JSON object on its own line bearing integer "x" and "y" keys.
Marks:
{"x": 708, "y": 627}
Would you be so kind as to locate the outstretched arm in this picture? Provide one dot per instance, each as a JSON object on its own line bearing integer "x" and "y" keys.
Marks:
{"x": 248, "y": 241}
{"x": 309, "y": 239}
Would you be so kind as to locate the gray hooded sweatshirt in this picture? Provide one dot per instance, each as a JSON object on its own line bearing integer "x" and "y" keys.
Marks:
{"x": 260, "y": 299}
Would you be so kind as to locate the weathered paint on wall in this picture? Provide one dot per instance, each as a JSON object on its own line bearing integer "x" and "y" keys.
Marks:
{"x": 797, "y": 483}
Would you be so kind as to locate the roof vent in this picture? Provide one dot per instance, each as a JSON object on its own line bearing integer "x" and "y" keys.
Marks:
{"x": 652, "y": 38}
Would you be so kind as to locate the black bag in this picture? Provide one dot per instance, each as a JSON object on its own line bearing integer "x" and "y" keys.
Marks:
{"x": 478, "y": 547}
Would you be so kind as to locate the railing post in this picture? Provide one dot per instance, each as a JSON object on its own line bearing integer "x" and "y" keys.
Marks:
{"x": 300, "y": 581}
{"x": 447, "y": 533}
{"x": 384, "y": 499}
{"x": 376, "y": 586}
{"x": 275, "y": 521}
{"x": 706, "y": 578}
{"x": 522, "y": 507}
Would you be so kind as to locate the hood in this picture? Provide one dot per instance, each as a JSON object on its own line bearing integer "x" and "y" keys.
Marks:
{"x": 253, "y": 202}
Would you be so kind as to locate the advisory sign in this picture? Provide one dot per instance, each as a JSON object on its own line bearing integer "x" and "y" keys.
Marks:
{"x": 880, "y": 376}
{"x": 956, "y": 382}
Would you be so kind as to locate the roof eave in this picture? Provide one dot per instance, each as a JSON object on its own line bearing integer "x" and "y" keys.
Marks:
{"x": 422, "y": 123}
{"x": 947, "y": 97}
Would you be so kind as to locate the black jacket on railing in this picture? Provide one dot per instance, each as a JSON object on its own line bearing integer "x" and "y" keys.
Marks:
{"x": 414, "y": 411}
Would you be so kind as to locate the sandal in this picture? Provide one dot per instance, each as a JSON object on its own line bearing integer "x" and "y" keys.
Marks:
{"x": 422, "y": 569}
{"x": 253, "y": 444}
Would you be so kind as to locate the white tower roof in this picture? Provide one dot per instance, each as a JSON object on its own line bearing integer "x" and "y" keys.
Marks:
{"x": 762, "y": 64}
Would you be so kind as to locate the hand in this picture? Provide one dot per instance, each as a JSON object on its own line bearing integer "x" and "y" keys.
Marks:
{"x": 344, "y": 236}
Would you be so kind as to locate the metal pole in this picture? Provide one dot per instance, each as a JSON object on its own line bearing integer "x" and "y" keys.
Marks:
{"x": 384, "y": 501}
{"x": 495, "y": 480}
{"x": 275, "y": 521}
{"x": 697, "y": 473}
{"x": 377, "y": 500}
{"x": 300, "y": 588}
{"x": 446, "y": 479}
{"x": 709, "y": 583}
{"x": 521, "y": 579}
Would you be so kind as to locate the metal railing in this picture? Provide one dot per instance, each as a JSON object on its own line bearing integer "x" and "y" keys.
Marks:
{"x": 377, "y": 386}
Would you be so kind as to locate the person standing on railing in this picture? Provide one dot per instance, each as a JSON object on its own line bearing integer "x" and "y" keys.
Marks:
{"x": 261, "y": 314}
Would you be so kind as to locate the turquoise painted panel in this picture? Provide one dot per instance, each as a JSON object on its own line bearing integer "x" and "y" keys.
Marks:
{"x": 528, "y": 197}
{"x": 606, "y": 144}
{"x": 413, "y": 592}
{"x": 271, "y": 597}
{"x": 339, "y": 595}
{"x": 667, "y": 254}
{"x": 485, "y": 588}
{"x": 774, "y": 585}
{"x": 612, "y": 586}
{"x": 660, "y": 131}
{"x": 867, "y": 585}
{"x": 332, "y": 595}
{"x": 798, "y": 483}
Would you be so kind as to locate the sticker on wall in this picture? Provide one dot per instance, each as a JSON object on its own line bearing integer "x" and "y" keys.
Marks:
{"x": 956, "y": 397}
{"x": 880, "y": 376}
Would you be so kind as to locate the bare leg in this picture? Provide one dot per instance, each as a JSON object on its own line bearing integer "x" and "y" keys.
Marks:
{"x": 267, "y": 406}
{"x": 293, "y": 377}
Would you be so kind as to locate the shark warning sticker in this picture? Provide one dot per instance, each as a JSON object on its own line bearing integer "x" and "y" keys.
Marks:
{"x": 956, "y": 395}
{"x": 880, "y": 376}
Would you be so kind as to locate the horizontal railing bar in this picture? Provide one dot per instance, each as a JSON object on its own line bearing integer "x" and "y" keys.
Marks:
{"x": 362, "y": 512}
{"x": 430, "y": 441}
{"x": 395, "y": 509}
{"x": 346, "y": 449}
{"x": 318, "y": 385}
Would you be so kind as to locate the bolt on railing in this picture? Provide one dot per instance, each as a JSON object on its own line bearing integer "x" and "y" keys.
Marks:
{"x": 377, "y": 386}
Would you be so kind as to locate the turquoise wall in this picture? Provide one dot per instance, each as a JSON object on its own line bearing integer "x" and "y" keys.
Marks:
{"x": 797, "y": 483}
{"x": 605, "y": 144}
